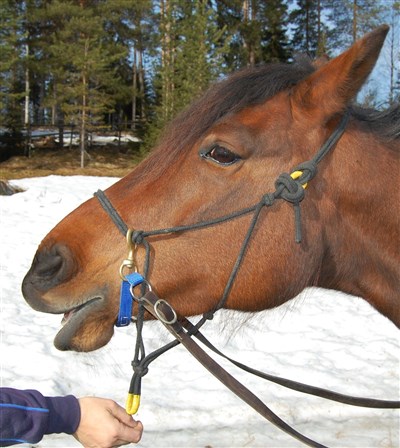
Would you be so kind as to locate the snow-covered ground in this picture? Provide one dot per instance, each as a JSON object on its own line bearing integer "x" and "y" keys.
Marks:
{"x": 322, "y": 337}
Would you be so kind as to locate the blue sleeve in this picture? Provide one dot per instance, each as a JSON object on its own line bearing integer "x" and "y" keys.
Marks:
{"x": 26, "y": 416}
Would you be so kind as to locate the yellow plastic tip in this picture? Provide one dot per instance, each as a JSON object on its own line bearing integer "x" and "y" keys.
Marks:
{"x": 296, "y": 175}
{"x": 132, "y": 404}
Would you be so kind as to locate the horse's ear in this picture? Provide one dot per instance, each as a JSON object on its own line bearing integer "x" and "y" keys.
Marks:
{"x": 321, "y": 61}
{"x": 334, "y": 84}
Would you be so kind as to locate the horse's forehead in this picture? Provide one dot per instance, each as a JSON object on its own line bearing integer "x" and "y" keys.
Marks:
{"x": 255, "y": 117}
{"x": 275, "y": 110}
{"x": 229, "y": 131}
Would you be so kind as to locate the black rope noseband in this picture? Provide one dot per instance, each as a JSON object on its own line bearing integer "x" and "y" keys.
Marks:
{"x": 288, "y": 187}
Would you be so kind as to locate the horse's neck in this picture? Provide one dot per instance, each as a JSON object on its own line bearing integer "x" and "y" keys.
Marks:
{"x": 362, "y": 225}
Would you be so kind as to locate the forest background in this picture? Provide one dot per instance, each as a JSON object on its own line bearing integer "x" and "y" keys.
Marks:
{"x": 89, "y": 66}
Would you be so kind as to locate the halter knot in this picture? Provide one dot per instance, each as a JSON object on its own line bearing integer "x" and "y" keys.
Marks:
{"x": 137, "y": 236}
{"x": 309, "y": 170}
{"x": 292, "y": 190}
{"x": 209, "y": 315}
{"x": 139, "y": 369}
{"x": 268, "y": 199}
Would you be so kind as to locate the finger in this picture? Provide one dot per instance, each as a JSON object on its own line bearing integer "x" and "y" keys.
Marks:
{"x": 127, "y": 434}
{"x": 119, "y": 413}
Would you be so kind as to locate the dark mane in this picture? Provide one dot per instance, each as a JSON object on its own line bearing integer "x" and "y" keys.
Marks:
{"x": 384, "y": 123}
{"x": 245, "y": 88}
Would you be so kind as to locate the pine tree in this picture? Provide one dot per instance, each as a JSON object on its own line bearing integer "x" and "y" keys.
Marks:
{"x": 250, "y": 32}
{"x": 229, "y": 18}
{"x": 309, "y": 30}
{"x": 12, "y": 64}
{"x": 353, "y": 18}
{"x": 190, "y": 58}
{"x": 131, "y": 25}
{"x": 142, "y": 43}
{"x": 82, "y": 61}
{"x": 169, "y": 34}
{"x": 394, "y": 53}
{"x": 274, "y": 21}
{"x": 35, "y": 78}
{"x": 198, "y": 61}
{"x": 255, "y": 30}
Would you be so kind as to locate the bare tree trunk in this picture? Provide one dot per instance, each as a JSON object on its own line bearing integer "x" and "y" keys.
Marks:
{"x": 167, "y": 61}
{"x": 84, "y": 110}
{"x": 320, "y": 50}
{"x": 83, "y": 131}
{"x": 28, "y": 140}
{"x": 27, "y": 89}
{"x": 134, "y": 90}
{"x": 245, "y": 13}
{"x": 252, "y": 52}
{"x": 393, "y": 47}
{"x": 249, "y": 11}
{"x": 61, "y": 133}
{"x": 355, "y": 19}
{"x": 308, "y": 44}
{"x": 141, "y": 84}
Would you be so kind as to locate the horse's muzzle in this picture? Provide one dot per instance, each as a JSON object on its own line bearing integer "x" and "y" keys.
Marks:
{"x": 50, "y": 268}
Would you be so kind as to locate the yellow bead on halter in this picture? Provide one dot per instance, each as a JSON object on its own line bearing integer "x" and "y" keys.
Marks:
{"x": 296, "y": 175}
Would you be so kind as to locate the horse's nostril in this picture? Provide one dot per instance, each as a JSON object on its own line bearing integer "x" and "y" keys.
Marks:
{"x": 51, "y": 267}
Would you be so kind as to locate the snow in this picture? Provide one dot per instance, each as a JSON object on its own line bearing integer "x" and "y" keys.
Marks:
{"x": 322, "y": 337}
{"x": 99, "y": 140}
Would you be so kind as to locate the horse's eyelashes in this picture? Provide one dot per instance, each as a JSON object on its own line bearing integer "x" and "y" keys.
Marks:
{"x": 220, "y": 155}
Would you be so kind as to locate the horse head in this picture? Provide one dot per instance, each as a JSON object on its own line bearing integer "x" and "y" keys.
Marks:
{"x": 223, "y": 154}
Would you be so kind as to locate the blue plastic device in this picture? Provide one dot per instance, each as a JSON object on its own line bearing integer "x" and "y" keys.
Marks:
{"x": 125, "y": 299}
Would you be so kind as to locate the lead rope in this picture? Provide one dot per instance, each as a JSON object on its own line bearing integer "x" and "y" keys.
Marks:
{"x": 163, "y": 311}
{"x": 167, "y": 315}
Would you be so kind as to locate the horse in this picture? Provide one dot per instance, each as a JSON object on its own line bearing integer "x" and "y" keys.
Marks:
{"x": 224, "y": 154}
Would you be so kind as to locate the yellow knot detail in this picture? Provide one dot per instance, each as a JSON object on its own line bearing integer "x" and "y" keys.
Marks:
{"x": 295, "y": 175}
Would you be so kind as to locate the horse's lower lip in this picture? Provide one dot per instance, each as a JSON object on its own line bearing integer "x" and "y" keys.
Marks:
{"x": 73, "y": 322}
{"x": 74, "y": 311}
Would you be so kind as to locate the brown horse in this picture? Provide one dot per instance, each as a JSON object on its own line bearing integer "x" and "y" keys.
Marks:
{"x": 221, "y": 155}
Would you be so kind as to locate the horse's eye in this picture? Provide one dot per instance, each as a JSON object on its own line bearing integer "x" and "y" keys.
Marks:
{"x": 221, "y": 155}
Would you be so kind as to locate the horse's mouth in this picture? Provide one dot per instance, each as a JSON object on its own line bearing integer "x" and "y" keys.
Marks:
{"x": 74, "y": 334}
{"x": 74, "y": 312}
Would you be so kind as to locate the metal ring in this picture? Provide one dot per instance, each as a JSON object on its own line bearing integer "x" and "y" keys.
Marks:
{"x": 132, "y": 287}
{"x": 126, "y": 264}
{"x": 161, "y": 316}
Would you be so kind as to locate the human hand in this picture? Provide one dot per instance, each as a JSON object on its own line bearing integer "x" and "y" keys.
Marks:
{"x": 105, "y": 424}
